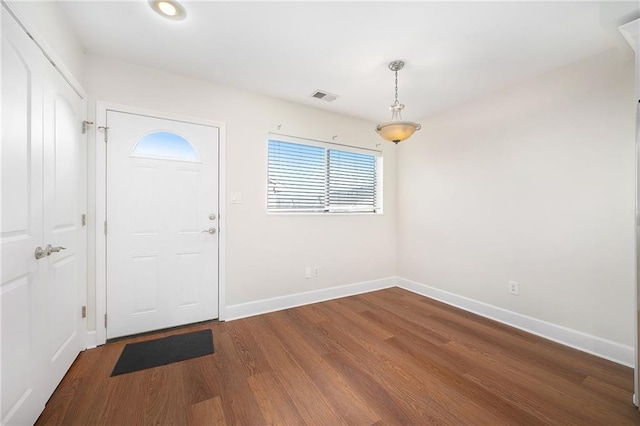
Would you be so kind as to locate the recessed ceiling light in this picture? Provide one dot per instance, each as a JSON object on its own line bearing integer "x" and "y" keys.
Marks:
{"x": 169, "y": 9}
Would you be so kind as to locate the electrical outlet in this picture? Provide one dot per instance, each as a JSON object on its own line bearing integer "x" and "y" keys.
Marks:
{"x": 316, "y": 271}
{"x": 514, "y": 288}
{"x": 308, "y": 271}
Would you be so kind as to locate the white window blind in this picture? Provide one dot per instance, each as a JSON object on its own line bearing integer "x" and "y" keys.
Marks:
{"x": 304, "y": 177}
{"x": 351, "y": 181}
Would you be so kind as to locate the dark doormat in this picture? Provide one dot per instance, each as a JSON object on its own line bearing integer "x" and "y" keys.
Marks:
{"x": 154, "y": 353}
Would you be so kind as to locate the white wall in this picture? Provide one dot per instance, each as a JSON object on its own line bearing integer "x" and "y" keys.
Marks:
{"x": 534, "y": 184}
{"x": 267, "y": 254}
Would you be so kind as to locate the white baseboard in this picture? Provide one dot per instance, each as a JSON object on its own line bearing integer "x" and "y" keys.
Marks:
{"x": 594, "y": 345}
{"x": 622, "y": 354}
{"x": 91, "y": 339}
{"x": 249, "y": 309}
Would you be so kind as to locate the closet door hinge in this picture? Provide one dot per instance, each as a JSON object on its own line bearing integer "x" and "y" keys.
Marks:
{"x": 105, "y": 320}
{"x": 84, "y": 312}
{"x": 83, "y": 219}
{"x": 85, "y": 126}
{"x": 105, "y": 227}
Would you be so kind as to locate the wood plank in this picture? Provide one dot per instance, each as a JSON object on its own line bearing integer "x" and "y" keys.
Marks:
{"x": 206, "y": 413}
{"x": 312, "y": 406}
{"x": 274, "y": 401}
{"x": 441, "y": 399}
{"x": 61, "y": 404}
{"x": 578, "y": 364}
{"x": 343, "y": 397}
{"x": 238, "y": 403}
{"x": 251, "y": 356}
{"x": 386, "y": 357}
{"x": 126, "y": 398}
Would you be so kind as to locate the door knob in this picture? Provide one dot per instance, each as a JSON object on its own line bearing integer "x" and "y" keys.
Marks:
{"x": 40, "y": 252}
{"x": 211, "y": 230}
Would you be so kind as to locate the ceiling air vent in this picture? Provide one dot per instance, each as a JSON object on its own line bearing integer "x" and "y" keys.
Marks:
{"x": 325, "y": 96}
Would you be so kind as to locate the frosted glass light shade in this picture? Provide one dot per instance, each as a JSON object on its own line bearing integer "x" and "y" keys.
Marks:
{"x": 397, "y": 131}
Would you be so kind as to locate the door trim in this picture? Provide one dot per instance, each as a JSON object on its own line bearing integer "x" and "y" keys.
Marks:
{"x": 14, "y": 9}
{"x": 101, "y": 205}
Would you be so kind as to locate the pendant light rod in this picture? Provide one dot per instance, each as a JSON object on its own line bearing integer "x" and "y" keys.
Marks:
{"x": 396, "y": 66}
{"x": 396, "y": 100}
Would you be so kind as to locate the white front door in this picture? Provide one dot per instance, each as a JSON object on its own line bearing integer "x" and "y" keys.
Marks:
{"x": 162, "y": 223}
{"x": 43, "y": 187}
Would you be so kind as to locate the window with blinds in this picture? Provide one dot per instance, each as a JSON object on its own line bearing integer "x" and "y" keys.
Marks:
{"x": 322, "y": 178}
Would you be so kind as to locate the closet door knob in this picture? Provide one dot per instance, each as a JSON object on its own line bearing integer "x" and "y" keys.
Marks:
{"x": 40, "y": 252}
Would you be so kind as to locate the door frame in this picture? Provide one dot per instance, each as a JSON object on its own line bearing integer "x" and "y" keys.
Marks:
{"x": 101, "y": 204}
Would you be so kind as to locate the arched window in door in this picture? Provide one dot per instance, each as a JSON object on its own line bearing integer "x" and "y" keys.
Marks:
{"x": 165, "y": 145}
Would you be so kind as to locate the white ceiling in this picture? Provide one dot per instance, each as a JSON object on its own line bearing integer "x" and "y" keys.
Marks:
{"x": 454, "y": 51}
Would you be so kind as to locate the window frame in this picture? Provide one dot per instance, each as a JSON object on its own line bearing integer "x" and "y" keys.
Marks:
{"x": 331, "y": 210}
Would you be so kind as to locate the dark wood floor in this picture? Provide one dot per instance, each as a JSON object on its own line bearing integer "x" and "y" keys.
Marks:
{"x": 387, "y": 357}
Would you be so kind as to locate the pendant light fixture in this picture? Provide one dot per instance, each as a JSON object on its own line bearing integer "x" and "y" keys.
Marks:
{"x": 396, "y": 130}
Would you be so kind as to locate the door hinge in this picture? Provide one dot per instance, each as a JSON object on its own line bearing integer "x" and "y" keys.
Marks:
{"x": 105, "y": 227}
{"x": 85, "y": 126}
{"x": 83, "y": 219}
{"x": 105, "y": 320}
{"x": 84, "y": 312}
{"x": 106, "y": 132}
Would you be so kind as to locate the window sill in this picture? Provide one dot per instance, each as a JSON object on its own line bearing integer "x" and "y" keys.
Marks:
{"x": 325, "y": 214}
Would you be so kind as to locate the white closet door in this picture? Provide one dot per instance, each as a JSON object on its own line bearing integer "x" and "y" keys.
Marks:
{"x": 42, "y": 196}
{"x": 64, "y": 188}
{"x": 22, "y": 226}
